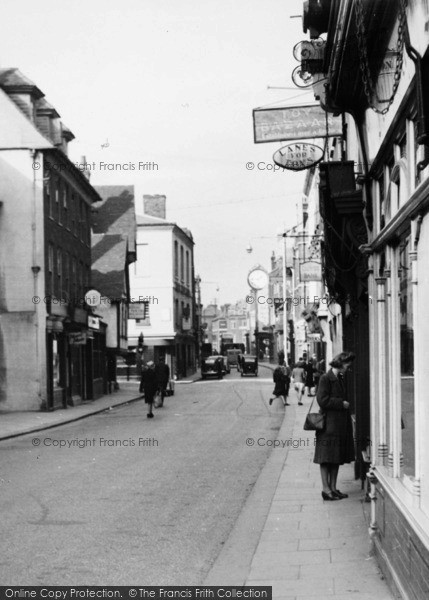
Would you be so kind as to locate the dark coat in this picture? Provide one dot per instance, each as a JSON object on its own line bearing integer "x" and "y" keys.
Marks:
{"x": 281, "y": 378}
{"x": 335, "y": 444}
{"x": 149, "y": 385}
{"x": 162, "y": 371}
{"x": 309, "y": 372}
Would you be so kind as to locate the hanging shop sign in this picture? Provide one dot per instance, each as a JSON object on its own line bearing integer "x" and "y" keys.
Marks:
{"x": 93, "y": 322}
{"x": 298, "y": 156}
{"x": 294, "y": 123}
{"x": 137, "y": 310}
{"x": 310, "y": 271}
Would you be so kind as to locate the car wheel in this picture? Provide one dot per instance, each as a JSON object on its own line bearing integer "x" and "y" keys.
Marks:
{"x": 242, "y": 374}
{"x": 256, "y": 373}
{"x": 203, "y": 376}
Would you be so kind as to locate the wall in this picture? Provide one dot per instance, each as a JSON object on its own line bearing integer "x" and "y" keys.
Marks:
{"x": 152, "y": 276}
{"x": 22, "y": 322}
{"x": 399, "y": 549}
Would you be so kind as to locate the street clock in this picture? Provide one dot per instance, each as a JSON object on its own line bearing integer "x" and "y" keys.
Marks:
{"x": 257, "y": 278}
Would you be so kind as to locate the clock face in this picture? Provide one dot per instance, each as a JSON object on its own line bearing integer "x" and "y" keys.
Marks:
{"x": 257, "y": 279}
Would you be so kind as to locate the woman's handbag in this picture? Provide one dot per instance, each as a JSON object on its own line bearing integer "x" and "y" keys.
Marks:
{"x": 314, "y": 421}
{"x": 158, "y": 401}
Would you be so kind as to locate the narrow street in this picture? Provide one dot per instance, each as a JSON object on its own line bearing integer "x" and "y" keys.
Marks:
{"x": 154, "y": 510}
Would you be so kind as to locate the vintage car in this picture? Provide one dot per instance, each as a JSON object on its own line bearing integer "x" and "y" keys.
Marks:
{"x": 248, "y": 364}
{"x": 212, "y": 366}
{"x": 226, "y": 368}
{"x": 232, "y": 356}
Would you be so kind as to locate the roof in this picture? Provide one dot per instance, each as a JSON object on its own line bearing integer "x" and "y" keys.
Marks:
{"x": 149, "y": 221}
{"x": 115, "y": 214}
{"x": 109, "y": 259}
{"x": 13, "y": 81}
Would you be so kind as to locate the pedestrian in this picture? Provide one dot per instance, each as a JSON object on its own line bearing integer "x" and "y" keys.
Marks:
{"x": 281, "y": 378}
{"x": 320, "y": 369}
{"x": 149, "y": 386}
{"x": 309, "y": 378}
{"x": 162, "y": 371}
{"x": 298, "y": 378}
{"x": 335, "y": 444}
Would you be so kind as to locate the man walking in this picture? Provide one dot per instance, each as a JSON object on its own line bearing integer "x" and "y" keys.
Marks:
{"x": 162, "y": 371}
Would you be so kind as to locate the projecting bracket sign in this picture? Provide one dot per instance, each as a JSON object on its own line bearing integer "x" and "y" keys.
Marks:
{"x": 294, "y": 123}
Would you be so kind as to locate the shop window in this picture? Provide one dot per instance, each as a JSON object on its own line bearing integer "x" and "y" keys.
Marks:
{"x": 98, "y": 355}
{"x": 407, "y": 358}
{"x": 56, "y": 373}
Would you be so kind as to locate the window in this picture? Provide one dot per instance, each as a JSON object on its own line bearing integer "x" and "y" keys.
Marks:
{"x": 66, "y": 206}
{"x": 176, "y": 312}
{"x": 382, "y": 216}
{"x": 407, "y": 357}
{"x": 59, "y": 285}
{"x": 80, "y": 283}
{"x": 176, "y": 260}
{"x": 187, "y": 268}
{"x": 66, "y": 274}
{"x": 73, "y": 214}
{"x": 74, "y": 279}
{"x": 182, "y": 274}
{"x": 48, "y": 195}
{"x": 57, "y": 201}
{"x": 81, "y": 220}
{"x": 50, "y": 282}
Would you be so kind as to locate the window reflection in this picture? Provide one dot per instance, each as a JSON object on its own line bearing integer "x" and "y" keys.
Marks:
{"x": 407, "y": 358}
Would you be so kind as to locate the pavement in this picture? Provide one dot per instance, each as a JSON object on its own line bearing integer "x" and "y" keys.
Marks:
{"x": 286, "y": 536}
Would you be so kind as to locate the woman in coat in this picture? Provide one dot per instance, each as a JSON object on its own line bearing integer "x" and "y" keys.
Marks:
{"x": 281, "y": 378}
{"x": 149, "y": 385}
{"x": 335, "y": 444}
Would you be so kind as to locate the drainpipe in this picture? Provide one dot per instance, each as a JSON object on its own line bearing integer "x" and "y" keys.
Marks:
{"x": 36, "y": 270}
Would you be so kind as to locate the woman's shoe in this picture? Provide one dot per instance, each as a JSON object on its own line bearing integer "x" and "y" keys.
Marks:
{"x": 271, "y": 401}
{"x": 340, "y": 495}
{"x": 329, "y": 496}
{"x": 299, "y": 403}
{"x": 150, "y": 415}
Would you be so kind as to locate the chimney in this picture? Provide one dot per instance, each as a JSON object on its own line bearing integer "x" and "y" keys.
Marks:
{"x": 154, "y": 206}
{"x": 83, "y": 167}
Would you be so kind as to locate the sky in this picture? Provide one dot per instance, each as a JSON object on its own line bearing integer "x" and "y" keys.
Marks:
{"x": 174, "y": 83}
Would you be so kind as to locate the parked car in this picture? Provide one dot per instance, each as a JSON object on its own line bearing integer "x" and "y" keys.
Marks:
{"x": 249, "y": 364}
{"x": 226, "y": 368}
{"x": 211, "y": 366}
{"x": 232, "y": 356}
